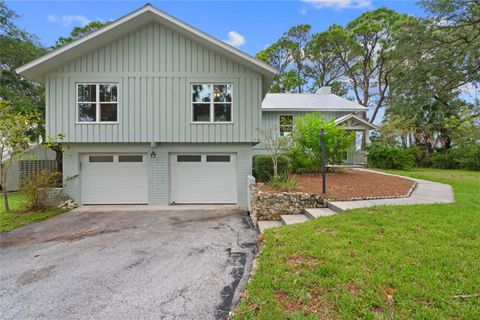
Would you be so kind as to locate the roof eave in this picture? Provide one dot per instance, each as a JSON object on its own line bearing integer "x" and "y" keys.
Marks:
{"x": 317, "y": 109}
{"x": 38, "y": 68}
{"x": 364, "y": 121}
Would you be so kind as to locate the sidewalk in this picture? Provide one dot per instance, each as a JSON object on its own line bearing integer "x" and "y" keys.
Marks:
{"x": 426, "y": 192}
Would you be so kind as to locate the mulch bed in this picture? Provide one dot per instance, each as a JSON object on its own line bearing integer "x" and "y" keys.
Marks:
{"x": 352, "y": 184}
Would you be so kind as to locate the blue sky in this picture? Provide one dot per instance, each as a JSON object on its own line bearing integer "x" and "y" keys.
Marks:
{"x": 252, "y": 25}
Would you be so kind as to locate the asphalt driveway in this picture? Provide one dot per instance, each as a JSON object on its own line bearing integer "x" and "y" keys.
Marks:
{"x": 130, "y": 263}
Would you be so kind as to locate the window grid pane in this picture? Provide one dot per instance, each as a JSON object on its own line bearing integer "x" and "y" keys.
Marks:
{"x": 87, "y": 112}
{"x": 206, "y": 109}
{"x": 100, "y": 159}
{"x": 201, "y": 92}
{"x": 285, "y": 125}
{"x": 189, "y": 158}
{"x": 218, "y": 158}
{"x": 87, "y": 93}
{"x": 133, "y": 158}
{"x": 97, "y": 102}
{"x": 108, "y": 93}
{"x": 223, "y": 112}
{"x": 201, "y": 112}
{"x": 108, "y": 112}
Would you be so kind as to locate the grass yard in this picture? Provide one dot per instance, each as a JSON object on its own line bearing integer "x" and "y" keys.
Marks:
{"x": 13, "y": 219}
{"x": 405, "y": 262}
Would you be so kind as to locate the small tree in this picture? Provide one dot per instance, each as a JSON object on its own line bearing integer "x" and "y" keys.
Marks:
{"x": 15, "y": 138}
{"x": 337, "y": 139}
{"x": 274, "y": 144}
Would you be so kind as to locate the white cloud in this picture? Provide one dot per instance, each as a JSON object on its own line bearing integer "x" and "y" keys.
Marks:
{"x": 235, "y": 39}
{"x": 339, "y": 4}
{"x": 68, "y": 20}
{"x": 303, "y": 11}
{"x": 53, "y": 18}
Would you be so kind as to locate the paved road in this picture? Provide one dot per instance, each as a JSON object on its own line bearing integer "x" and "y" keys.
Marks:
{"x": 127, "y": 264}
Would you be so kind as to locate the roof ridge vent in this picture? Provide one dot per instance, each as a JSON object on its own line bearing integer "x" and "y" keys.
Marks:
{"x": 324, "y": 90}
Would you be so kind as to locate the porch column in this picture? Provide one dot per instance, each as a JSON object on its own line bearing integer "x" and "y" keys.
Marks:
{"x": 366, "y": 132}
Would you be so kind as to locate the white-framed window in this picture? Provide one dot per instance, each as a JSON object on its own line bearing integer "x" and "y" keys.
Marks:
{"x": 285, "y": 124}
{"x": 97, "y": 102}
{"x": 212, "y": 102}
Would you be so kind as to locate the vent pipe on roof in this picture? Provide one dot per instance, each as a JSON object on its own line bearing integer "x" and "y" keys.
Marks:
{"x": 324, "y": 90}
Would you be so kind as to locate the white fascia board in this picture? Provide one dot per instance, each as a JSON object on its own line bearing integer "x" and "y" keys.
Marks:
{"x": 37, "y": 68}
{"x": 316, "y": 109}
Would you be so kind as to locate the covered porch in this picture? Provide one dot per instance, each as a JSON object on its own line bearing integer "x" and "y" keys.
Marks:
{"x": 356, "y": 155}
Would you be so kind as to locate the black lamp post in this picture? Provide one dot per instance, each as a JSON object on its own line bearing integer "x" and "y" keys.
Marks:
{"x": 321, "y": 134}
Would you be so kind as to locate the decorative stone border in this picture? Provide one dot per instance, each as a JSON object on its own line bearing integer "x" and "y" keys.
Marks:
{"x": 266, "y": 206}
{"x": 406, "y": 195}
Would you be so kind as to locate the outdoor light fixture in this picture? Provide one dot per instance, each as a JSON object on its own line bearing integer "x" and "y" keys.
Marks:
{"x": 153, "y": 144}
{"x": 321, "y": 135}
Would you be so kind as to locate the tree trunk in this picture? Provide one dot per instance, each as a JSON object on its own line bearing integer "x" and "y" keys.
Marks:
{"x": 59, "y": 160}
{"x": 4, "y": 188}
{"x": 275, "y": 166}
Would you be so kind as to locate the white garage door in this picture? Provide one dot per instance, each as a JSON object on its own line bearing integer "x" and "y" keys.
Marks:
{"x": 203, "y": 178}
{"x": 114, "y": 179}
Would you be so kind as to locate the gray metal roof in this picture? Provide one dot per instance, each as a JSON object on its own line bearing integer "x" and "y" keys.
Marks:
{"x": 308, "y": 102}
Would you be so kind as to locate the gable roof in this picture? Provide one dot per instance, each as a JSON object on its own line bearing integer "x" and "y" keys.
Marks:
{"x": 355, "y": 118}
{"x": 37, "y": 68}
{"x": 309, "y": 102}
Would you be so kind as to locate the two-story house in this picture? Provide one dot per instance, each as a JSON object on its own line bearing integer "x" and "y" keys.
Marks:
{"x": 153, "y": 111}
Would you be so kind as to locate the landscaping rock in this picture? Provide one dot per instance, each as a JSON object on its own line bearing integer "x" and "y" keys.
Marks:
{"x": 271, "y": 206}
{"x": 69, "y": 204}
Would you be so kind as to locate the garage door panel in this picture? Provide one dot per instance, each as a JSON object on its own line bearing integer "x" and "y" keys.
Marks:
{"x": 114, "y": 182}
{"x": 203, "y": 181}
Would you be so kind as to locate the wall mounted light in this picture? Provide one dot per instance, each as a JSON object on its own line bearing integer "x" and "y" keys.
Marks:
{"x": 153, "y": 144}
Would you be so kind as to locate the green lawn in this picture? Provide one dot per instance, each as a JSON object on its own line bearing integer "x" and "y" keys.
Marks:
{"x": 405, "y": 262}
{"x": 13, "y": 219}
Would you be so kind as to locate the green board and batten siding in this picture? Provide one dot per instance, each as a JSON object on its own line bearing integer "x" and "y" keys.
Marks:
{"x": 154, "y": 67}
{"x": 270, "y": 119}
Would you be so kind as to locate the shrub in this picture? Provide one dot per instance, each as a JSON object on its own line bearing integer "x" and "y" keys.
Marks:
{"x": 446, "y": 160}
{"x": 471, "y": 158}
{"x": 263, "y": 167}
{"x": 466, "y": 157}
{"x": 337, "y": 139}
{"x": 284, "y": 183}
{"x": 36, "y": 188}
{"x": 301, "y": 162}
{"x": 422, "y": 157}
{"x": 385, "y": 156}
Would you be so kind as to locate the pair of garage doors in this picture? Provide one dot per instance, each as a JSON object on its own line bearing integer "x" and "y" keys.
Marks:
{"x": 123, "y": 179}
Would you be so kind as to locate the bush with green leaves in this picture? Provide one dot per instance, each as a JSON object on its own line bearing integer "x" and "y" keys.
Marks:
{"x": 465, "y": 157}
{"x": 263, "y": 167}
{"x": 284, "y": 183}
{"x": 388, "y": 156}
{"x": 471, "y": 158}
{"x": 36, "y": 188}
{"x": 301, "y": 162}
{"x": 307, "y": 142}
{"x": 448, "y": 159}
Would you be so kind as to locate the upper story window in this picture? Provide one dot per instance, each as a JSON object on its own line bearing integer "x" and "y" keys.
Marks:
{"x": 285, "y": 124}
{"x": 212, "y": 102}
{"x": 97, "y": 102}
